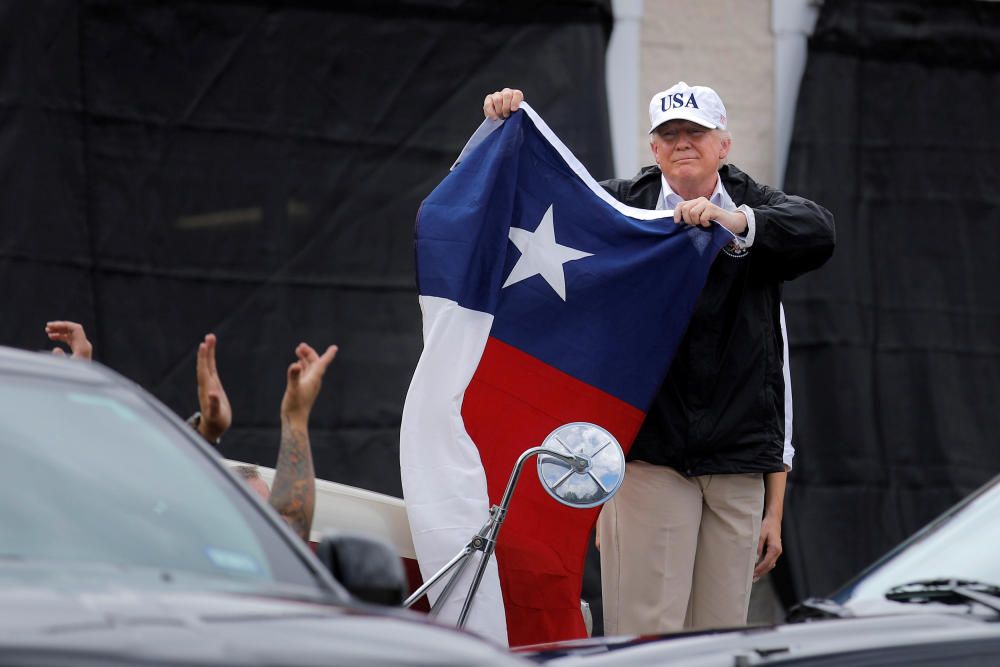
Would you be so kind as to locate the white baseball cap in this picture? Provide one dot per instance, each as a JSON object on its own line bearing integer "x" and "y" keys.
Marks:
{"x": 698, "y": 104}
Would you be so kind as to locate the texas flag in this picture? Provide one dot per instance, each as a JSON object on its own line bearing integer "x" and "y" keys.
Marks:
{"x": 545, "y": 301}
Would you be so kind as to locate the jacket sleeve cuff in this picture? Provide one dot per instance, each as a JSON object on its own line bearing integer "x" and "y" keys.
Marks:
{"x": 745, "y": 240}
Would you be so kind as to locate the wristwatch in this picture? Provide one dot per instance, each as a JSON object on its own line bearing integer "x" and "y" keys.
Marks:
{"x": 195, "y": 421}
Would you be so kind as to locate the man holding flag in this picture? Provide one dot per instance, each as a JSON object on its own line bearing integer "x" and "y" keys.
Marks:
{"x": 546, "y": 300}
{"x": 698, "y": 517}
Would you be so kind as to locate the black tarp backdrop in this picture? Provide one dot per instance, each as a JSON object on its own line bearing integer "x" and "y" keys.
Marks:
{"x": 895, "y": 344}
{"x": 254, "y": 170}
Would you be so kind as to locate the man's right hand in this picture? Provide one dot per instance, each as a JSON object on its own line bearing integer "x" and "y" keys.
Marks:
{"x": 502, "y": 103}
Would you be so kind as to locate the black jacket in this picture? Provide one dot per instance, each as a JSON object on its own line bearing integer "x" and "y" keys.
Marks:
{"x": 721, "y": 407}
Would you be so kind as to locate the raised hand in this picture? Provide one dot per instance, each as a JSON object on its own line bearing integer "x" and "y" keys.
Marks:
{"x": 502, "y": 103}
{"x": 305, "y": 377}
{"x": 216, "y": 413}
{"x": 73, "y": 335}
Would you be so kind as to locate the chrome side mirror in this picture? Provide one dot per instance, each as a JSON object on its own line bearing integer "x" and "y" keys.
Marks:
{"x": 594, "y": 474}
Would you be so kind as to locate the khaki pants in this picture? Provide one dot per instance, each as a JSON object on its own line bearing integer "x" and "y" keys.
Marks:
{"x": 678, "y": 552}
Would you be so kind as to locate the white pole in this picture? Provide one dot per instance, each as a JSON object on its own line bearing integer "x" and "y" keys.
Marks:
{"x": 792, "y": 22}
{"x": 622, "y": 76}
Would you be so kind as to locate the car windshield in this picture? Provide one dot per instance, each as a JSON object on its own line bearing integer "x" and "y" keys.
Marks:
{"x": 92, "y": 474}
{"x": 963, "y": 545}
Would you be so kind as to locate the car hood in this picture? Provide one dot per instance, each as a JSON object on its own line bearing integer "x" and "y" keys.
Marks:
{"x": 800, "y": 643}
{"x": 102, "y": 622}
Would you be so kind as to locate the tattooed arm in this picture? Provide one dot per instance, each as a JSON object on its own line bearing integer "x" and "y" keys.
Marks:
{"x": 293, "y": 493}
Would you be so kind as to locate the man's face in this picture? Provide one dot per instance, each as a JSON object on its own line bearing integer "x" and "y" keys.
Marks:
{"x": 688, "y": 153}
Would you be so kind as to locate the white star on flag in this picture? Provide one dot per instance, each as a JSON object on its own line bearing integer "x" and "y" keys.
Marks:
{"x": 541, "y": 255}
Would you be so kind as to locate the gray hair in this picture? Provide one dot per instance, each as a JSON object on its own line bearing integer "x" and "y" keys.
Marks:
{"x": 726, "y": 136}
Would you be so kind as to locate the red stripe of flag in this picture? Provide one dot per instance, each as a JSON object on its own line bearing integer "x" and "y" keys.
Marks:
{"x": 513, "y": 402}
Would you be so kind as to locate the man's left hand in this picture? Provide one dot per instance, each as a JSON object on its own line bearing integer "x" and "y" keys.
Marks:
{"x": 702, "y": 212}
{"x": 768, "y": 546}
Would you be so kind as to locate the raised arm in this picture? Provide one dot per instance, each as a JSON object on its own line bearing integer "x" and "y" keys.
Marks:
{"x": 293, "y": 493}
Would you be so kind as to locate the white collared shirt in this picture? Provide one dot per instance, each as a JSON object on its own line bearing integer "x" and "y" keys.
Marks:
{"x": 669, "y": 200}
